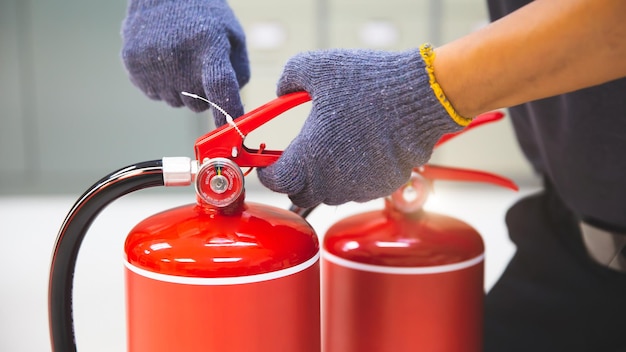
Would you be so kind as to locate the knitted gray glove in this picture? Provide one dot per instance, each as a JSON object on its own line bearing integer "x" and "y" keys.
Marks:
{"x": 374, "y": 118}
{"x": 170, "y": 46}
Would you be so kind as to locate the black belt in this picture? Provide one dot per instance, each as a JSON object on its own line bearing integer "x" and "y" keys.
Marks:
{"x": 605, "y": 247}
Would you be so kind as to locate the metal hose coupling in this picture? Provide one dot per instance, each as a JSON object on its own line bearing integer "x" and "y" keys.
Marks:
{"x": 179, "y": 171}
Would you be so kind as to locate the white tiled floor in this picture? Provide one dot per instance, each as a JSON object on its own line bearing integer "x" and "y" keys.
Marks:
{"x": 28, "y": 227}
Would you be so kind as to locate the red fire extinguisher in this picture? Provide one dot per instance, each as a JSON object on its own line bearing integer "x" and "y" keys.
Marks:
{"x": 402, "y": 279}
{"x": 217, "y": 275}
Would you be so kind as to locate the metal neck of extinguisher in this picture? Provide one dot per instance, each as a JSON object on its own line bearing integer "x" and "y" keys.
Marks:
{"x": 412, "y": 196}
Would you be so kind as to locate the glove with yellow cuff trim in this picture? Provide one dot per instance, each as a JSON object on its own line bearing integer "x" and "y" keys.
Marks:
{"x": 375, "y": 116}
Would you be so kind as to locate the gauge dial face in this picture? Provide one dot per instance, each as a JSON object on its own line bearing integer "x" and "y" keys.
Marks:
{"x": 219, "y": 182}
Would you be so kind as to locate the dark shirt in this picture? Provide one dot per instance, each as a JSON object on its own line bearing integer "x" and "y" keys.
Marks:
{"x": 577, "y": 141}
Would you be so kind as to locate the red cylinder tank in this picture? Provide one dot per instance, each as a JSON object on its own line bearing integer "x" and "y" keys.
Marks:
{"x": 241, "y": 278}
{"x": 402, "y": 279}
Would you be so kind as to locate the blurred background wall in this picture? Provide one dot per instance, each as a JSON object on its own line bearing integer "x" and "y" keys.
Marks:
{"x": 69, "y": 115}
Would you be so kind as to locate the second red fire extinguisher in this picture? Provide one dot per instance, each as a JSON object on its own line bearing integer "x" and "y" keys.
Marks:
{"x": 403, "y": 279}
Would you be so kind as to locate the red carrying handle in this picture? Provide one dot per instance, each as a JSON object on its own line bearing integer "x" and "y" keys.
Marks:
{"x": 444, "y": 173}
{"x": 434, "y": 172}
{"x": 227, "y": 141}
{"x": 479, "y": 120}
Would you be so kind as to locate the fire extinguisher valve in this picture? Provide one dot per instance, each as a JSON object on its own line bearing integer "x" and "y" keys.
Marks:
{"x": 412, "y": 196}
{"x": 219, "y": 182}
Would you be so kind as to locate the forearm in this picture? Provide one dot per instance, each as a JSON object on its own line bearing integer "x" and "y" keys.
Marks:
{"x": 546, "y": 48}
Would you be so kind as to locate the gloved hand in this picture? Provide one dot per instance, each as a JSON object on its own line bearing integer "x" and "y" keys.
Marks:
{"x": 198, "y": 46}
{"x": 374, "y": 118}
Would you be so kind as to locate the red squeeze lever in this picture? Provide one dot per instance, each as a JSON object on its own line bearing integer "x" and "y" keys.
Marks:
{"x": 227, "y": 140}
{"x": 444, "y": 173}
{"x": 479, "y": 120}
{"x": 434, "y": 172}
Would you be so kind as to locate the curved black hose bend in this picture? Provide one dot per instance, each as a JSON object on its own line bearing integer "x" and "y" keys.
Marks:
{"x": 303, "y": 212}
{"x": 79, "y": 219}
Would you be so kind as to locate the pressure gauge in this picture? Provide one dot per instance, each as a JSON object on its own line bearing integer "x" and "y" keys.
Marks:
{"x": 219, "y": 182}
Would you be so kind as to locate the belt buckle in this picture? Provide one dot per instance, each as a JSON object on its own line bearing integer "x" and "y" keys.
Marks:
{"x": 605, "y": 247}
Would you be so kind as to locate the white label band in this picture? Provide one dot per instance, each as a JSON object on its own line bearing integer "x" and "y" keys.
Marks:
{"x": 437, "y": 269}
{"x": 216, "y": 281}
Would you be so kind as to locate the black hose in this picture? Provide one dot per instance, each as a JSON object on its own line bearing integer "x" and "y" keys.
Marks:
{"x": 303, "y": 212}
{"x": 79, "y": 219}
